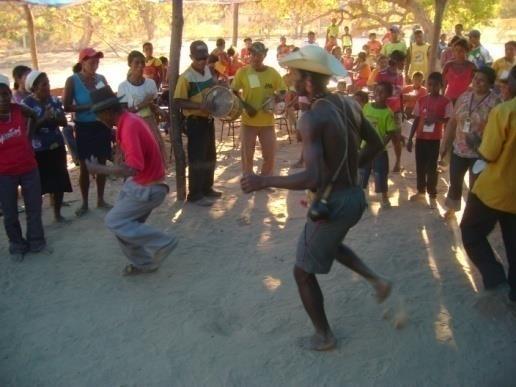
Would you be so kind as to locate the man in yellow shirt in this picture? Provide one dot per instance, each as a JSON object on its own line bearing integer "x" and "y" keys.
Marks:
{"x": 260, "y": 86}
{"x": 503, "y": 65}
{"x": 493, "y": 197}
{"x": 417, "y": 56}
{"x": 191, "y": 87}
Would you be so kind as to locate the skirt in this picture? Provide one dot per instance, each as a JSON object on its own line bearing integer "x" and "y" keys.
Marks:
{"x": 93, "y": 139}
{"x": 53, "y": 172}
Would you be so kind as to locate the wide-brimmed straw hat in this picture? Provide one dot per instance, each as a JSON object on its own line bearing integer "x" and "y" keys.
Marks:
{"x": 31, "y": 78}
{"x": 103, "y": 99}
{"x": 314, "y": 59}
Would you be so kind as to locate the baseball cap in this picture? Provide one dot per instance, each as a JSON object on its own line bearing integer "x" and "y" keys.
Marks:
{"x": 474, "y": 34}
{"x": 199, "y": 50}
{"x": 258, "y": 48}
{"x": 394, "y": 28}
{"x": 31, "y": 78}
{"x": 89, "y": 52}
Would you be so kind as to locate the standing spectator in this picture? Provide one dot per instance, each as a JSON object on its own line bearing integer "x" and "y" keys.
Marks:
{"x": 393, "y": 75}
{"x": 413, "y": 92}
{"x": 491, "y": 200}
{"x": 447, "y": 54}
{"x": 442, "y": 44}
{"x": 245, "y": 54}
{"x": 362, "y": 71}
{"x": 470, "y": 116}
{"x": 330, "y": 44}
{"x": 347, "y": 39}
{"x": 417, "y": 56}
{"x": 222, "y": 63}
{"x": 382, "y": 119}
{"x": 333, "y": 28}
{"x": 347, "y": 59}
{"x": 93, "y": 137}
{"x": 503, "y": 66}
{"x": 375, "y": 47}
{"x": 18, "y": 167}
{"x": 459, "y": 29}
{"x": 431, "y": 113}
{"x": 153, "y": 66}
{"x": 19, "y": 74}
{"x": 395, "y": 44}
{"x": 258, "y": 84}
{"x": 478, "y": 53}
{"x": 234, "y": 63}
{"x": 310, "y": 39}
{"x": 283, "y": 49}
{"x": 139, "y": 94}
{"x": 191, "y": 87}
{"x": 143, "y": 190}
{"x": 382, "y": 62}
{"x": 458, "y": 73}
{"x": 47, "y": 141}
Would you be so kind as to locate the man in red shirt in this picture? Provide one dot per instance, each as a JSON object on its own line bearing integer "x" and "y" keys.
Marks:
{"x": 144, "y": 189}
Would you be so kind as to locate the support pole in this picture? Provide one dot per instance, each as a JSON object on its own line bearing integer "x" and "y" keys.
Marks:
{"x": 32, "y": 36}
{"x": 176, "y": 130}
{"x": 235, "y": 7}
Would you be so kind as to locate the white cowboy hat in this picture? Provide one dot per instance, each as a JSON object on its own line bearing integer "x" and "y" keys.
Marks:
{"x": 314, "y": 59}
{"x": 31, "y": 77}
{"x": 4, "y": 80}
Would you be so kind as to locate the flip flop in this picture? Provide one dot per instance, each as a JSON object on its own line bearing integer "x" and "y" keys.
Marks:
{"x": 131, "y": 270}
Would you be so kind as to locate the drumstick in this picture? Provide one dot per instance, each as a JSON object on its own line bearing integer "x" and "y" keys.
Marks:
{"x": 251, "y": 111}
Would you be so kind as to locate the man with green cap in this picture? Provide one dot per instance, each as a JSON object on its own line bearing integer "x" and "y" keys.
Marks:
{"x": 332, "y": 131}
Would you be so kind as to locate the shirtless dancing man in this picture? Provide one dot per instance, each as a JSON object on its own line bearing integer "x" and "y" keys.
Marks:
{"x": 326, "y": 134}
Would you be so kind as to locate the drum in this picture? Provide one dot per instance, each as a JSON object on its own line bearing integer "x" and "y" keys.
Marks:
{"x": 222, "y": 103}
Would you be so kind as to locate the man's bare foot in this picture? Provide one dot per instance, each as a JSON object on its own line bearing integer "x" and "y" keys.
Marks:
{"x": 104, "y": 205}
{"x": 61, "y": 219}
{"x": 82, "y": 210}
{"x": 397, "y": 168}
{"x": 318, "y": 342}
{"x": 383, "y": 290}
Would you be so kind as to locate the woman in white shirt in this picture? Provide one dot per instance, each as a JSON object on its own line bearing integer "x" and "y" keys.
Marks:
{"x": 139, "y": 93}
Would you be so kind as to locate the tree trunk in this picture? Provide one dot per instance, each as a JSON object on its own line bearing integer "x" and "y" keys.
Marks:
{"x": 176, "y": 131}
{"x": 235, "y": 9}
{"x": 32, "y": 36}
{"x": 440, "y": 7}
{"x": 148, "y": 17}
{"x": 87, "y": 32}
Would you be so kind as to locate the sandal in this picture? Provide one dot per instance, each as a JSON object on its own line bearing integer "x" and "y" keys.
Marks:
{"x": 131, "y": 270}
{"x": 81, "y": 211}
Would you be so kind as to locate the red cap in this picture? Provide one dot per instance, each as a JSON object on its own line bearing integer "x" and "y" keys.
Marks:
{"x": 89, "y": 52}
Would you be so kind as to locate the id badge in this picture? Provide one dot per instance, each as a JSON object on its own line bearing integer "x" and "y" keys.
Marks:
{"x": 467, "y": 126}
{"x": 428, "y": 128}
{"x": 254, "y": 81}
{"x": 99, "y": 85}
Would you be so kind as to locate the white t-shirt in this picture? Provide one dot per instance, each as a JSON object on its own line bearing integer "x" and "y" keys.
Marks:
{"x": 134, "y": 95}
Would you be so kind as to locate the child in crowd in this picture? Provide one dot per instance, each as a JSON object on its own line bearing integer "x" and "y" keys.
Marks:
{"x": 431, "y": 113}
{"x": 362, "y": 71}
{"x": 382, "y": 63}
{"x": 382, "y": 118}
{"x": 361, "y": 97}
{"x": 347, "y": 59}
{"x": 413, "y": 92}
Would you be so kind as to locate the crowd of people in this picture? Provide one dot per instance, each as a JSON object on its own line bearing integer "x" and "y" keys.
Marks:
{"x": 463, "y": 115}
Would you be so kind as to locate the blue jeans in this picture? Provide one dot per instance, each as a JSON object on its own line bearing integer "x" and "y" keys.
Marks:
{"x": 380, "y": 165}
{"x": 31, "y": 191}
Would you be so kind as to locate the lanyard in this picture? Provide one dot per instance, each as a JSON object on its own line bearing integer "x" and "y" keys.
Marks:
{"x": 478, "y": 104}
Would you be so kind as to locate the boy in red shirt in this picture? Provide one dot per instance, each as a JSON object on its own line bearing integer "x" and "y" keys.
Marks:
{"x": 431, "y": 113}
{"x": 143, "y": 190}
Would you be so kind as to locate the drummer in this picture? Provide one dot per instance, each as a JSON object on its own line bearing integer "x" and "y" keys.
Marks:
{"x": 191, "y": 87}
{"x": 258, "y": 84}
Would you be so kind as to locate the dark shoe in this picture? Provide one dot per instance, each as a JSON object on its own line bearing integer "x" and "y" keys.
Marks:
{"x": 213, "y": 194}
{"x": 203, "y": 202}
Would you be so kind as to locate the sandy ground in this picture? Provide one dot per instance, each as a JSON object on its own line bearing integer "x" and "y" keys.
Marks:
{"x": 224, "y": 311}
